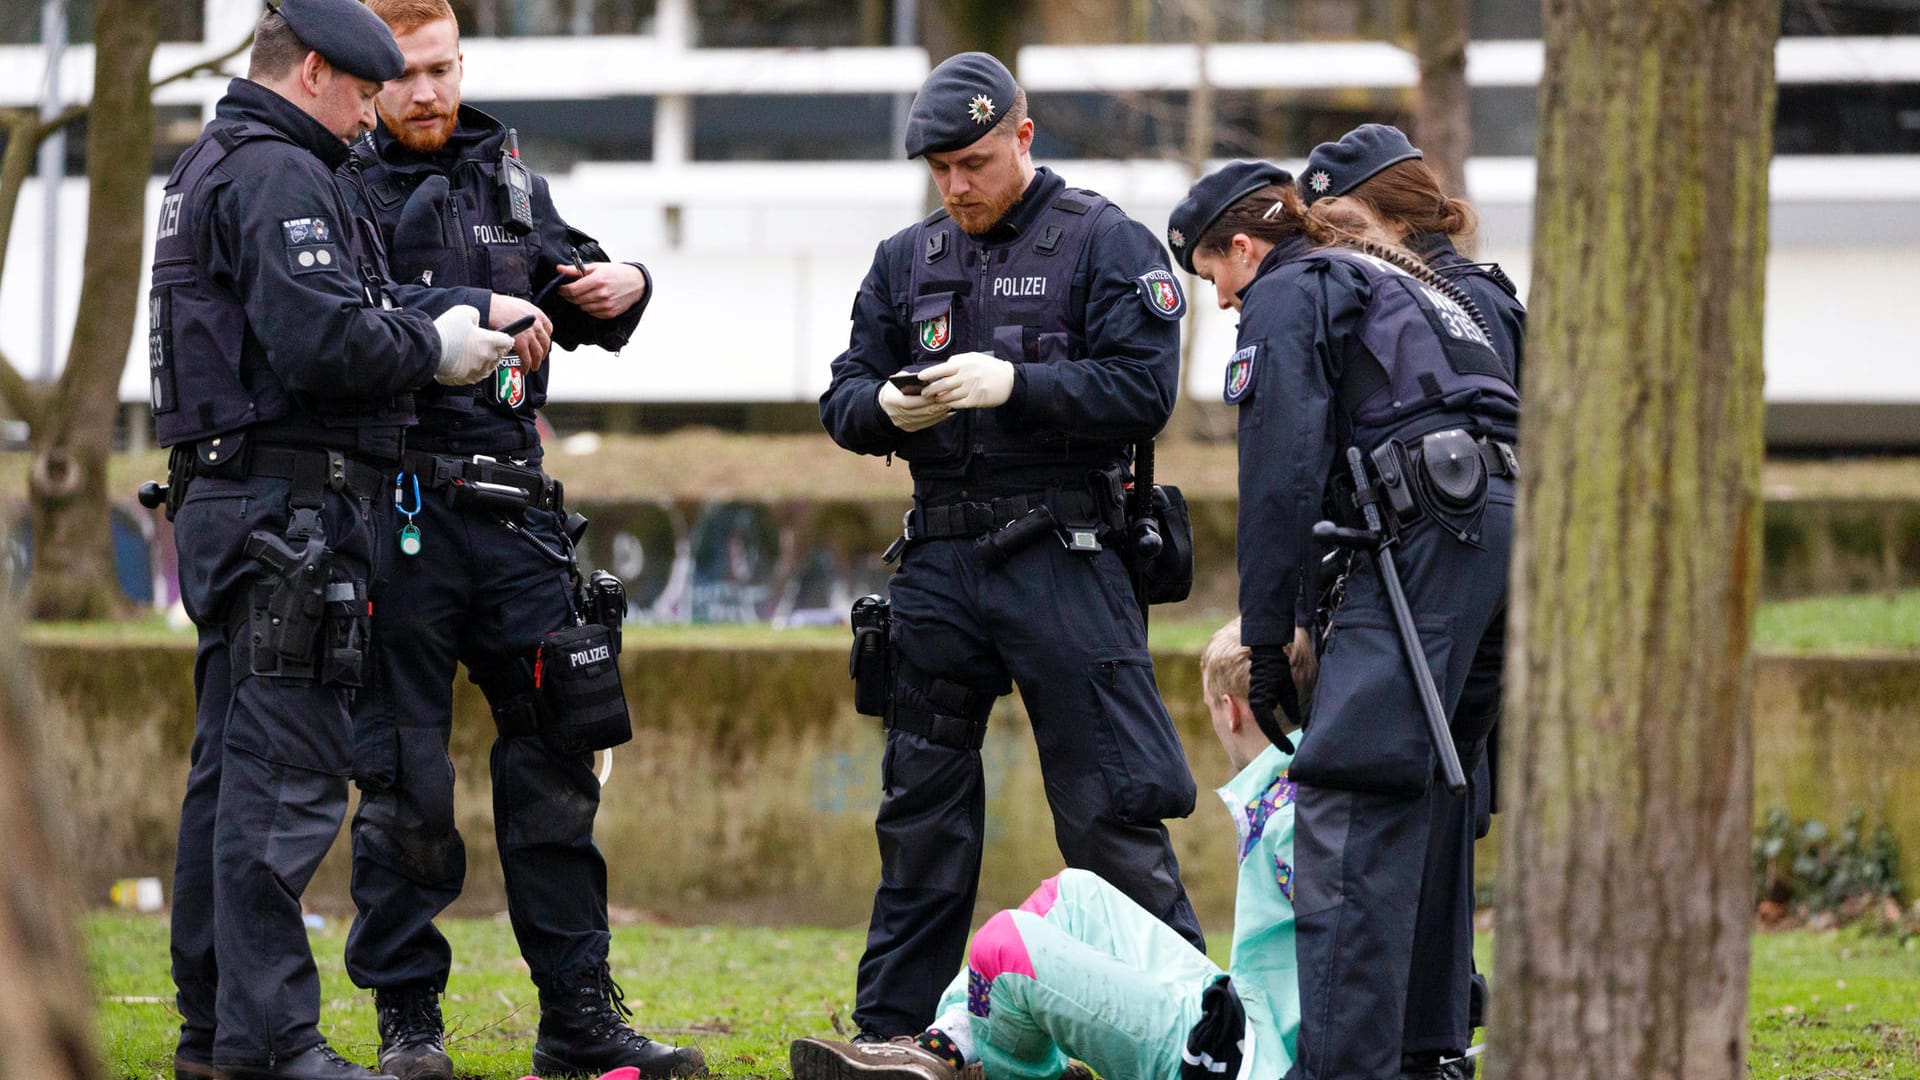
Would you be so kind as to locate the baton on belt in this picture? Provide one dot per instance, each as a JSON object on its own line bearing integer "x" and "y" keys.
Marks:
{"x": 1143, "y": 529}
{"x": 1374, "y": 539}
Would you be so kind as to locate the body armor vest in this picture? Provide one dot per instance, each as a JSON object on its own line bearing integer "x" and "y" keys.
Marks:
{"x": 1024, "y": 302}
{"x": 208, "y": 372}
{"x": 1432, "y": 364}
{"x": 453, "y": 240}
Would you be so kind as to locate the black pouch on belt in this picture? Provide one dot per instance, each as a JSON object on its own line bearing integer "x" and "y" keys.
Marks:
{"x": 1455, "y": 478}
{"x": 1169, "y": 574}
{"x": 871, "y": 661}
{"x": 578, "y": 670}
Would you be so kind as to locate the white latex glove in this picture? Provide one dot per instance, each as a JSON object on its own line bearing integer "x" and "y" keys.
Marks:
{"x": 911, "y": 412}
{"x": 972, "y": 380}
{"x": 467, "y": 351}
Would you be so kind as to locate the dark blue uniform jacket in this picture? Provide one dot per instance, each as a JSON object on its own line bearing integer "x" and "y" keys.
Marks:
{"x": 1311, "y": 320}
{"x": 458, "y": 245}
{"x": 266, "y": 307}
{"x": 1492, "y": 291}
{"x": 1112, "y": 382}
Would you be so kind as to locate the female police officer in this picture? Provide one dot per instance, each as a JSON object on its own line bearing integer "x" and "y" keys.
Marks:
{"x": 1375, "y": 166}
{"x": 1349, "y": 342}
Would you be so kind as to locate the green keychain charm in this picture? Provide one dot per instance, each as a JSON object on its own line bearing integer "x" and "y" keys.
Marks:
{"x": 409, "y": 533}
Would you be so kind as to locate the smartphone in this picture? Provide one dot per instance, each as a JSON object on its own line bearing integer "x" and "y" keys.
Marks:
{"x": 908, "y": 382}
{"x": 517, "y": 326}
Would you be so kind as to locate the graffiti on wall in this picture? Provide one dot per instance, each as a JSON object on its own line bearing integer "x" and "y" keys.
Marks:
{"x": 789, "y": 564}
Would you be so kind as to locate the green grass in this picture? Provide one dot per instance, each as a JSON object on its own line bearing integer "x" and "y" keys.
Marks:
{"x": 1841, "y": 623}
{"x": 1828, "y": 1005}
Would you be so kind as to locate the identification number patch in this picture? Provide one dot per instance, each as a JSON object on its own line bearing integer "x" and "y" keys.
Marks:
{"x": 306, "y": 230}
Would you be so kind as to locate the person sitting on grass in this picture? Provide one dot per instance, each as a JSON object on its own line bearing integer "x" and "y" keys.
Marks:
{"x": 1079, "y": 971}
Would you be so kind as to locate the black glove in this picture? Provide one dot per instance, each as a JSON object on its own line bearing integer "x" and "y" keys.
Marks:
{"x": 1217, "y": 1041}
{"x": 1271, "y": 686}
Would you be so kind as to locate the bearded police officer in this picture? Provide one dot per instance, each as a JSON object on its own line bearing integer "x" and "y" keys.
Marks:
{"x": 481, "y": 582}
{"x": 280, "y": 377}
{"x": 1042, "y": 323}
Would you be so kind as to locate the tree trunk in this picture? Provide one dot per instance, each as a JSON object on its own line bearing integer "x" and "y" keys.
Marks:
{"x": 73, "y": 553}
{"x": 1443, "y": 114}
{"x": 1625, "y": 904}
{"x": 46, "y": 1007}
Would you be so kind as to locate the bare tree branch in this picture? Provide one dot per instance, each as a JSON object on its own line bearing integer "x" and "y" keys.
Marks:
{"x": 26, "y": 133}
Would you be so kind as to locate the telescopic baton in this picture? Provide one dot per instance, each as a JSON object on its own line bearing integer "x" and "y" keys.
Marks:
{"x": 1374, "y": 539}
{"x": 1143, "y": 529}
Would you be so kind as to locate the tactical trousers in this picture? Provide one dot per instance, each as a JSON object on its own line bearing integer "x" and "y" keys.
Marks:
{"x": 480, "y": 595}
{"x": 266, "y": 791}
{"x": 1384, "y": 887}
{"x": 1064, "y": 628}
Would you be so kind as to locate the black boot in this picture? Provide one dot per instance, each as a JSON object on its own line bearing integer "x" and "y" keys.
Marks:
{"x": 315, "y": 1063}
{"x": 584, "y": 1032}
{"x": 412, "y": 1045}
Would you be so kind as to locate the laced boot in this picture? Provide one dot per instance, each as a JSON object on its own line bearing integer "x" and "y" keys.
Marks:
{"x": 584, "y": 1032}
{"x": 412, "y": 1037}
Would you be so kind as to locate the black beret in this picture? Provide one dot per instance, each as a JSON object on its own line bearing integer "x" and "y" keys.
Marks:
{"x": 962, "y": 99}
{"x": 1335, "y": 168}
{"x": 348, "y": 35}
{"x": 1210, "y": 196}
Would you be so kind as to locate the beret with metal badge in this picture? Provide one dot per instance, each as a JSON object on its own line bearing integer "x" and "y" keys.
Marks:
{"x": 962, "y": 99}
{"x": 347, "y": 34}
{"x": 1210, "y": 196}
{"x": 1335, "y": 168}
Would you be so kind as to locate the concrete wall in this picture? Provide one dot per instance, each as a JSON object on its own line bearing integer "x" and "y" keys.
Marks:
{"x": 749, "y": 790}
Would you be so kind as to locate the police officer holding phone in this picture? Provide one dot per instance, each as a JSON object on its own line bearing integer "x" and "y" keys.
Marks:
{"x": 481, "y": 574}
{"x": 281, "y": 374}
{"x": 1039, "y": 326}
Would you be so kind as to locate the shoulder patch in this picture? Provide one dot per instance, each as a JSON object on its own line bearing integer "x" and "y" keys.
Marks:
{"x": 1160, "y": 291}
{"x": 1240, "y": 372}
{"x": 306, "y": 230}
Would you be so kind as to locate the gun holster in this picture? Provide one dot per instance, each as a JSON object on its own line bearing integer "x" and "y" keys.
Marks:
{"x": 307, "y": 620}
{"x": 870, "y": 663}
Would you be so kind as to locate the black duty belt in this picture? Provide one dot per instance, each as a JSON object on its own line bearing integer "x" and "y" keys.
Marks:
{"x": 1500, "y": 458}
{"x": 968, "y": 519}
{"x": 440, "y": 471}
{"x": 312, "y": 468}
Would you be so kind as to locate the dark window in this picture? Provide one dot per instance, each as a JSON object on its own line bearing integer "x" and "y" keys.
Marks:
{"x": 553, "y": 18}
{"x": 1246, "y": 123}
{"x": 793, "y": 127}
{"x": 1848, "y": 118}
{"x": 20, "y": 22}
{"x": 1503, "y": 120}
{"x": 1828, "y": 18}
{"x": 555, "y": 134}
{"x": 745, "y": 24}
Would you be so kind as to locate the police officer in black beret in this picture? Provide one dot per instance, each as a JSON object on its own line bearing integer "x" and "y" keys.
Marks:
{"x": 1347, "y": 341}
{"x": 281, "y": 379}
{"x": 1375, "y": 166}
{"x": 474, "y": 583}
{"x": 1033, "y": 332}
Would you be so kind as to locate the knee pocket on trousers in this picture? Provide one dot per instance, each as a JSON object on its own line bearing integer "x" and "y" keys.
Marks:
{"x": 1140, "y": 756}
{"x": 1368, "y": 731}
